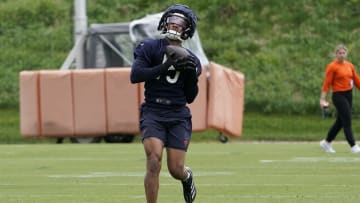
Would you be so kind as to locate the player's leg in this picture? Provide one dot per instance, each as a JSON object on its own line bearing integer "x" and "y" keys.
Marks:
{"x": 177, "y": 145}
{"x": 153, "y": 149}
{"x": 153, "y": 136}
{"x": 177, "y": 142}
{"x": 178, "y": 170}
{"x": 176, "y": 163}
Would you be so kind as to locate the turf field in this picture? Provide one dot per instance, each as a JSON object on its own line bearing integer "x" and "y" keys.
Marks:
{"x": 224, "y": 173}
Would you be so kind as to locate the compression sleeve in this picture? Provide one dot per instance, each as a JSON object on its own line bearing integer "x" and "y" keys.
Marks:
{"x": 142, "y": 68}
{"x": 140, "y": 71}
{"x": 191, "y": 88}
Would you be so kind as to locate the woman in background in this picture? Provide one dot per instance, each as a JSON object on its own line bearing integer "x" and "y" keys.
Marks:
{"x": 340, "y": 75}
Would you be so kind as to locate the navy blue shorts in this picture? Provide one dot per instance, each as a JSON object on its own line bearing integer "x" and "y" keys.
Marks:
{"x": 174, "y": 132}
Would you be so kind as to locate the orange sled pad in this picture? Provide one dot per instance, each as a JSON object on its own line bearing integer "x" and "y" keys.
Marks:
{"x": 56, "y": 105}
{"x": 122, "y": 100}
{"x": 199, "y": 106}
{"x": 89, "y": 102}
{"x": 226, "y": 99}
{"x": 29, "y": 103}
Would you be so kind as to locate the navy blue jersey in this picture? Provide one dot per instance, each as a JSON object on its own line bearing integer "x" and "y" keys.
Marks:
{"x": 163, "y": 91}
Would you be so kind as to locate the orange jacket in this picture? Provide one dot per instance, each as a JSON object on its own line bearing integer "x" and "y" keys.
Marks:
{"x": 341, "y": 76}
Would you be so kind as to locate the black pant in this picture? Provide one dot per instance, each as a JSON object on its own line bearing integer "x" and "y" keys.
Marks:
{"x": 343, "y": 104}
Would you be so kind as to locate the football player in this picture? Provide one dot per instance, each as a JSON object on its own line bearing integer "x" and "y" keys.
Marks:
{"x": 171, "y": 76}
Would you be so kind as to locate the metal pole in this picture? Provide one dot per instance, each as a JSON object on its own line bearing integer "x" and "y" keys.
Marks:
{"x": 80, "y": 29}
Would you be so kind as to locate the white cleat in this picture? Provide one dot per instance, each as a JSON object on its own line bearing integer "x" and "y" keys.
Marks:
{"x": 327, "y": 146}
{"x": 355, "y": 149}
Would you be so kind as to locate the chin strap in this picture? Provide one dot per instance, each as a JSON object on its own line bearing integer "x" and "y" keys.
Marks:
{"x": 173, "y": 35}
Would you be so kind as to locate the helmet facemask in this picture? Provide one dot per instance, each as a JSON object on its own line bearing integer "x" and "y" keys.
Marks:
{"x": 178, "y": 13}
{"x": 178, "y": 19}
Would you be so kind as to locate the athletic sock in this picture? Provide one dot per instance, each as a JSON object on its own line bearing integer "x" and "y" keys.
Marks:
{"x": 187, "y": 177}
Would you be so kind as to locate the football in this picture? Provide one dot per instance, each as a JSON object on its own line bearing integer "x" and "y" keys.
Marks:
{"x": 176, "y": 52}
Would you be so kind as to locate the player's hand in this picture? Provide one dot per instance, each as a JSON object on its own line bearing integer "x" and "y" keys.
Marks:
{"x": 165, "y": 66}
{"x": 185, "y": 63}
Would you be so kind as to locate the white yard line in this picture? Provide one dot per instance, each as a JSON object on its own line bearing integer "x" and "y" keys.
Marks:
{"x": 315, "y": 159}
{"x": 133, "y": 174}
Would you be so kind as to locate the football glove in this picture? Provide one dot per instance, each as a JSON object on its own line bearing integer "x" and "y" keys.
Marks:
{"x": 185, "y": 63}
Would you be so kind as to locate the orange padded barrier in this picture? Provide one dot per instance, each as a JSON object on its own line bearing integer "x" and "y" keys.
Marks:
{"x": 95, "y": 102}
{"x": 226, "y": 100}
{"x": 56, "y": 105}
{"x": 29, "y": 104}
{"x": 89, "y": 102}
{"x": 199, "y": 106}
{"x": 122, "y": 100}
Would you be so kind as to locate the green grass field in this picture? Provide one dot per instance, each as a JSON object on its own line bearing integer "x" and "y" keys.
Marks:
{"x": 256, "y": 172}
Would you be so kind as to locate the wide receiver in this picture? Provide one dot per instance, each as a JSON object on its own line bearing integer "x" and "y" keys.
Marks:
{"x": 171, "y": 76}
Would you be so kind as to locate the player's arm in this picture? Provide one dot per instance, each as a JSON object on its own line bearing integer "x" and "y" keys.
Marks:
{"x": 141, "y": 69}
{"x": 191, "y": 88}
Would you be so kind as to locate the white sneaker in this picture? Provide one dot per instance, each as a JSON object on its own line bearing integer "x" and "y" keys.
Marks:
{"x": 355, "y": 149}
{"x": 327, "y": 146}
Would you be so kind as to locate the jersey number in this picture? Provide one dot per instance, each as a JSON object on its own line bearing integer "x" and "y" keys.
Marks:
{"x": 171, "y": 80}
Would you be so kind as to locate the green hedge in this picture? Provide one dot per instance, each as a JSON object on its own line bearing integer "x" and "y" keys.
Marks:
{"x": 281, "y": 46}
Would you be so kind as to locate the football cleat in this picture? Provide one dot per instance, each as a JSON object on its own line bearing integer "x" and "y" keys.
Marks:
{"x": 189, "y": 187}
